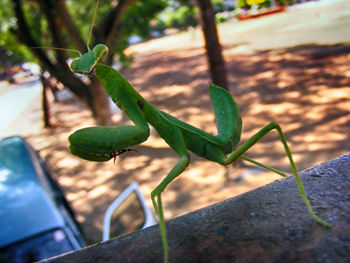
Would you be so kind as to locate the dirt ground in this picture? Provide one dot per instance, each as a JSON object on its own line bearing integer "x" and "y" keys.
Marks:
{"x": 305, "y": 88}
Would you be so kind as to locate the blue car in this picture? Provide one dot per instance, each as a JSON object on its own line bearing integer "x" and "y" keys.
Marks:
{"x": 36, "y": 221}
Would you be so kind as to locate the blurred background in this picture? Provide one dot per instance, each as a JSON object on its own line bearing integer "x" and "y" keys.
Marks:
{"x": 286, "y": 61}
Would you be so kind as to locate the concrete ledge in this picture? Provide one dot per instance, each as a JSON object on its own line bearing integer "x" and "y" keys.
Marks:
{"x": 269, "y": 224}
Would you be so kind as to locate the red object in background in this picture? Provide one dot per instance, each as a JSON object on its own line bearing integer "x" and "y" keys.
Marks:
{"x": 276, "y": 9}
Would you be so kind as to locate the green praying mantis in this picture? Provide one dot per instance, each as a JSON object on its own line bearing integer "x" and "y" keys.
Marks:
{"x": 104, "y": 143}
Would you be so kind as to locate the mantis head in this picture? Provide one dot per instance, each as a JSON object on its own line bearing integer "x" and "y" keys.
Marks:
{"x": 86, "y": 63}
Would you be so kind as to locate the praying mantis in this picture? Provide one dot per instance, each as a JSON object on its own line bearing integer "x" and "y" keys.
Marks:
{"x": 102, "y": 143}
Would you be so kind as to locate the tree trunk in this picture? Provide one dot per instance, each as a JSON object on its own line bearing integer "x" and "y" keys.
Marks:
{"x": 44, "y": 101}
{"x": 212, "y": 44}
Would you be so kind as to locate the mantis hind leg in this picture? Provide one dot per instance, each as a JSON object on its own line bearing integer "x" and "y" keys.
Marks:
{"x": 254, "y": 139}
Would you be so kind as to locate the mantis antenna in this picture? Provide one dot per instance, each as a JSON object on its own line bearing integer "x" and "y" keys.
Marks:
{"x": 92, "y": 24}
{"x": 59, "y": 48}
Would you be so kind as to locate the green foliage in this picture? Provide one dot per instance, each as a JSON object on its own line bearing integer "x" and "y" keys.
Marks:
{"x": 243, "y": 4}
{"x": 82, "y": 13}
{"x": 265, "y": 4}
{"x": 158, "y": 26}
{"x": 182, "y": 14}
{"x": 11, "y": 51}
{"x": 222, "y": 5}
{"x": 219, "y": 18}
{"x": 183, "y": 17}
{"x": 136, "y": 21}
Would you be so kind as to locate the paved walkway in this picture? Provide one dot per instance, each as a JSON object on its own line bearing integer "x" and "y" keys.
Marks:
{"x": 20, "y": 108}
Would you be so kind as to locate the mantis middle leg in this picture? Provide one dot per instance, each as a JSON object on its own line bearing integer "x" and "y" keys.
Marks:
{"x": 157, "y": 199}
{"x": 177, "y": 143}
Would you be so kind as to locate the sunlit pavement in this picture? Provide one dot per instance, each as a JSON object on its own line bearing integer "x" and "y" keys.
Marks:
{"x": 20, "y": 108}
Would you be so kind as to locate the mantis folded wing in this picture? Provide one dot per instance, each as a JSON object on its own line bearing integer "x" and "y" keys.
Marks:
{"x": 104, "y": 143}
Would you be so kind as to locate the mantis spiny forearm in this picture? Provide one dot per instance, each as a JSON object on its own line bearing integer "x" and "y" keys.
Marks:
{"x": 104, "y": 143}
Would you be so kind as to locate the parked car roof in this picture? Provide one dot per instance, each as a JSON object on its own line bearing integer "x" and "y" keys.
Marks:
{"x": 26, "y": 208}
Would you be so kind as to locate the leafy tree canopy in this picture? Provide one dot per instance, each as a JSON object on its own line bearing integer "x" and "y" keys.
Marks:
{"x": 135, "y": 21}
